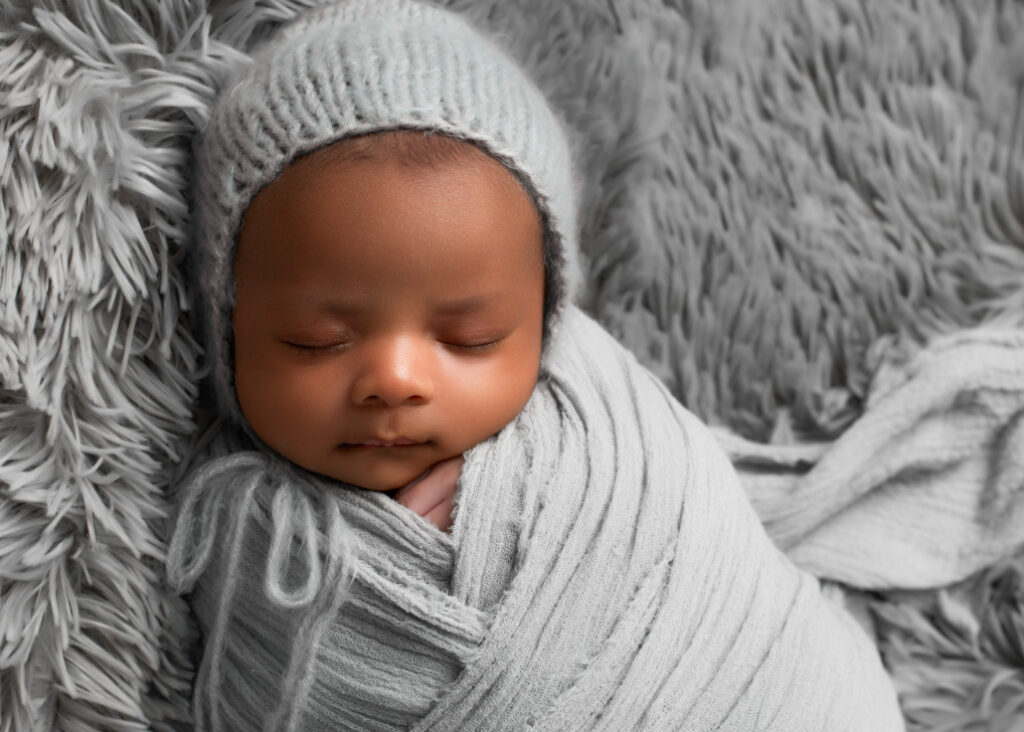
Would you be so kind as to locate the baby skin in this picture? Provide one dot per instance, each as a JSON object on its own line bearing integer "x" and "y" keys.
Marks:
{"x": 389, "y": 312}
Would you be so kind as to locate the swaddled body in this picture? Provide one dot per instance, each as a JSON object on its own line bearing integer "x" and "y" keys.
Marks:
{"x": 603, "y": 569}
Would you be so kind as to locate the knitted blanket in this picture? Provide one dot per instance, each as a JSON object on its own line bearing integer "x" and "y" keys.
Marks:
{"x": 779, "y": 194}
{"x": 605, "y": 571}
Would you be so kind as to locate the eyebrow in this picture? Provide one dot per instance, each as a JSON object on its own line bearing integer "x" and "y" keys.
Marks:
{"x": 333, "y": 307}
{"x": 471, "y": 304}
{"x": 465, "y": 305}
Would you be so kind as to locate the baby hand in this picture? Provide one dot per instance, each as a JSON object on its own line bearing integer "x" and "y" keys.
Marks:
{"x": 432, "y": 495}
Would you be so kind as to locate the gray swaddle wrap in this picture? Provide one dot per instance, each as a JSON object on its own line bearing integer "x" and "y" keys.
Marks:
{"x": 605, "y": 571}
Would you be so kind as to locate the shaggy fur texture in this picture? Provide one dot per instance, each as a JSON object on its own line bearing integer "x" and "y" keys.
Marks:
{"x": 777, "y": 192}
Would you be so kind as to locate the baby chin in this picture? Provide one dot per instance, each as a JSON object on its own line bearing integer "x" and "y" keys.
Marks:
{"x": 383, "y": 466}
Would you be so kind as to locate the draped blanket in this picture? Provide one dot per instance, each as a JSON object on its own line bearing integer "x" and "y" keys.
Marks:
{"x": 605, "y": 571}
{"x": 926, "y": 488}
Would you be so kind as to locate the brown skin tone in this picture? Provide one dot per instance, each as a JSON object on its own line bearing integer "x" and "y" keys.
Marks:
{"x": 383, "y": 303}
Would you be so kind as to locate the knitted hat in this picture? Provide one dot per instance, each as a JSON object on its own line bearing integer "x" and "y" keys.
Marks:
{"x": 352, "y": 68}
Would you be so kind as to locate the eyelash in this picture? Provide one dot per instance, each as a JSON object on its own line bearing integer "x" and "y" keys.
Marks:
{"x": 316, "y": 349}
{"x": 474, "y": 346}
{"x": 341, "y": 346}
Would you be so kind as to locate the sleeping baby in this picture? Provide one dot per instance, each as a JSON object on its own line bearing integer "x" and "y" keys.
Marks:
{"x": 389, "y": 311}
{"x": 452, "y": 501}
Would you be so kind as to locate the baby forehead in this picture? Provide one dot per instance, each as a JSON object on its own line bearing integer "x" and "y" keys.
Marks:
{"x": 411, "y": 149}
{"x": 448, "y": 171}
{"x": 354, "y": 203}
{"x": 414, "y": 147}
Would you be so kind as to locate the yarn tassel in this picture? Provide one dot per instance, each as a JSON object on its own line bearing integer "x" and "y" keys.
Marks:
{"x": 294, "y": 518}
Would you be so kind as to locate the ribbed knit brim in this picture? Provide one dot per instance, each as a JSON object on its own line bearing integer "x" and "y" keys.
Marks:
{"x": 352, "y": 68}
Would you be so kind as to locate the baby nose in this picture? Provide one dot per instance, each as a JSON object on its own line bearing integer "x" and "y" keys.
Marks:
{"x": 395, "y": 371}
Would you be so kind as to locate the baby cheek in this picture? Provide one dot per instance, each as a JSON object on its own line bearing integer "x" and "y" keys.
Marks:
{"x": 487, "y": 403}
{"x": 283, "y": 406}
{"x": 312, "y": 396}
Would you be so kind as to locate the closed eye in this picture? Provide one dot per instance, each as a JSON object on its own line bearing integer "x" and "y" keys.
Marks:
{"x": 309, "y": 348}
{"x": 475, "y": 346}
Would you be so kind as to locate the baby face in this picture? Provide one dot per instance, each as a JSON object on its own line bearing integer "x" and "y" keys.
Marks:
{"x": 388, "y": 316}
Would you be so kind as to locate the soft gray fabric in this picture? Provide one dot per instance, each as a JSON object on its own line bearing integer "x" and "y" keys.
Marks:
{"x": 772, "y": 189}
{"x": 605, "y": 571}
{"x": 924, "y": 490}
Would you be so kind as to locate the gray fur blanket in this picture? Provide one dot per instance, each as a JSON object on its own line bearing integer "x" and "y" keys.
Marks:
{"x": 783, "y": 197}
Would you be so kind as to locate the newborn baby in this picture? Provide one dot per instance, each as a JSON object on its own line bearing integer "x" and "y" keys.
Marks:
{"x": 389, "y": 315}
{"x": 387, "y": 259}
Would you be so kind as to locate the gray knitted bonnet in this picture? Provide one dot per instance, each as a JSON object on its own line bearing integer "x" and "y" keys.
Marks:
{"x": 352, "y": 68}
